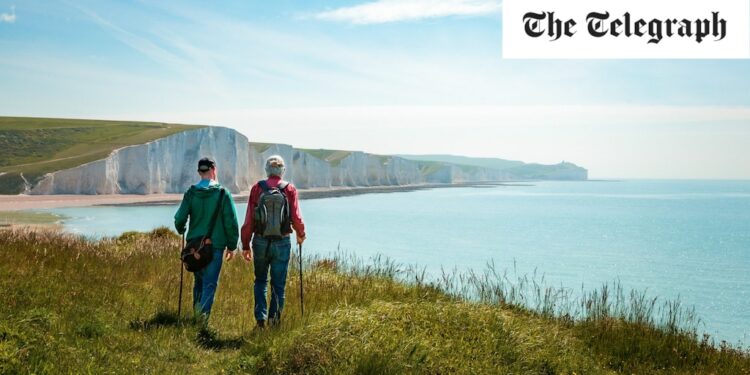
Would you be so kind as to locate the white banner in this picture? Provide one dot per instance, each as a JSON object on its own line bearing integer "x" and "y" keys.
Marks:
{"x": 637, "y": 29}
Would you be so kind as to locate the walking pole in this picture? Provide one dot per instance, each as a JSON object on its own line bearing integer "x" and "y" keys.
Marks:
{"x": 301, "y": 290}
{"x": 182, "y": 270}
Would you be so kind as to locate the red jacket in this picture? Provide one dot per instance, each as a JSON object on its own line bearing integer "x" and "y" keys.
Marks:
{"x": 291, "y": 195}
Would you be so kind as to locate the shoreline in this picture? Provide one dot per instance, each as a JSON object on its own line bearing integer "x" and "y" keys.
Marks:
{"x": 11, "y": 203}
{"x": 339, "y": 192}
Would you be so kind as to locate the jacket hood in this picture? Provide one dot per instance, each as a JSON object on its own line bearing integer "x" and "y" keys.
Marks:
{"x": 204, "y": 192}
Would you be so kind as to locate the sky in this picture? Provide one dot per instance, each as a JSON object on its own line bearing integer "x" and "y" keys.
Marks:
{"x": 382, "y": 76}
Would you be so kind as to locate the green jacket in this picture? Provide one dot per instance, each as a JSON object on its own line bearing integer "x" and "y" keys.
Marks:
{"x": 198, "y": 204}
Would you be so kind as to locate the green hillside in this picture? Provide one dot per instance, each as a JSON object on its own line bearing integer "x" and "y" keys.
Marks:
{"x": 35, "y": 146}
{"x": 73, "y": 306}
{"x": 334, "y": 157}
{"x": 492, "y": 163}
{"x": 514, "y": 169}
{"x": 261, "y": 146}
{"x": 533, "y": 171}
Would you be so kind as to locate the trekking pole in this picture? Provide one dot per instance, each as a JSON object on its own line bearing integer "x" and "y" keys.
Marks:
{"x": 182, "y": 270}
{"x": 301, "y": 289}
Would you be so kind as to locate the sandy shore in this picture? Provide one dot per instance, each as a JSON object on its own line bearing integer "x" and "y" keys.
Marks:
{"x": 30, "y": 202}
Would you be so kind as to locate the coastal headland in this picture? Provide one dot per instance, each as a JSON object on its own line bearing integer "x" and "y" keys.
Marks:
{"x": 135, "y": 158}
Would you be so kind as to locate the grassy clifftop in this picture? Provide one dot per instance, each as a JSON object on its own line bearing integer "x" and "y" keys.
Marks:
{"x": 35, "y": 146}
{"x": 514, "y": 169}
{"x": 334, "y": 157}
{"x": 492, "y": 163}
{"x": 72, "y": 306}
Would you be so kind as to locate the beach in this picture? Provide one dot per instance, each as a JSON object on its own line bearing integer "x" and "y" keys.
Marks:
{"x": 33, "y": 202}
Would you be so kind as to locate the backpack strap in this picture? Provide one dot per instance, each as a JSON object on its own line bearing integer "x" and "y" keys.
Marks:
{"x": 215, "y": 215}
{"x": 287, "y": 213}
{"x": 263, "y": 185}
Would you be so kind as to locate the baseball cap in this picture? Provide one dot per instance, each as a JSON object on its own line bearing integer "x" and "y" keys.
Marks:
{"x": 205, "y": 164}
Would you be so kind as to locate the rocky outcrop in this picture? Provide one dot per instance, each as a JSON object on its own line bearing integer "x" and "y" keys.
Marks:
{"x": 166, "y": 165}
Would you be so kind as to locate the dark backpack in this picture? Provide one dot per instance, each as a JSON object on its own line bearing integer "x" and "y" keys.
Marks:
{"x": 272, "y": 215}
{"x": 198, "y": 252}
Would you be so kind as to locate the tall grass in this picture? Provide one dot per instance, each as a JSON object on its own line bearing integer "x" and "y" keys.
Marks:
{"x": 73, "y": 305}
{"x": 609, "y": 301}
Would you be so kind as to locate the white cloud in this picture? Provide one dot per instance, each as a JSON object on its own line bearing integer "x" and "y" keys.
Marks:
{"x": 169, "y": 50}
{"x": 8, "y": 17}
{"x": 385, "y": 11}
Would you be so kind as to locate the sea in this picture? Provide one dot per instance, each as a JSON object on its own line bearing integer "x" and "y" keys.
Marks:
{"x": 684, "y": 240}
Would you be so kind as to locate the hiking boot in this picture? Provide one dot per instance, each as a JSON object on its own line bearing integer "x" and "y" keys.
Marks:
{"x": 274, "y": 323}
{"x": 261, "y": 325}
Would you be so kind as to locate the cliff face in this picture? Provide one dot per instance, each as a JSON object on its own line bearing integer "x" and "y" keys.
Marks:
{"x": 309, "y": 171}
{"x": 357, "y": 169}
{"x": 168, "y": 165}
{"x": 361, "y": 169}
{"x": 562, "y": 171}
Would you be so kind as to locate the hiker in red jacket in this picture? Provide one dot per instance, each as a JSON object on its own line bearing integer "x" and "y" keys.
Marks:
{"x": 272, "y": 212}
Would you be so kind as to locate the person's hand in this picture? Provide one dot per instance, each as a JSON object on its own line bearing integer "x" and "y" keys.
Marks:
{"x": 301, "y": 239}
{"x": 248, "y": 255}
{"x": 228, "y": 255}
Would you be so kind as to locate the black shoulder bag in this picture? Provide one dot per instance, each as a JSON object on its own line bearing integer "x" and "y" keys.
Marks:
{"x": 197, "y": 254}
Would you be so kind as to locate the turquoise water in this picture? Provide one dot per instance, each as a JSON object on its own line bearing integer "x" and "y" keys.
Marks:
{"x": 674, "y": 238}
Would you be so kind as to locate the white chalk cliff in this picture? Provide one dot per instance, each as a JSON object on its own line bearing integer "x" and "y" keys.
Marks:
{"x": 167, "y": 165}
{"x": 357, "y": 169}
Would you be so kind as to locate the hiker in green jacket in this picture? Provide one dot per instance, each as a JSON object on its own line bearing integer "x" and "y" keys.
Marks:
{"x": 198, "y": 205}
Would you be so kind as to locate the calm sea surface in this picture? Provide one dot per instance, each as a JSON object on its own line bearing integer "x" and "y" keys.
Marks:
{"x": 674, "y": 238}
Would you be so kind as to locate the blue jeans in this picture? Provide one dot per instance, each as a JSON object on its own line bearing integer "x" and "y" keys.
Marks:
{"x": 206, "y": 281}
{"x": 273, "y": 255}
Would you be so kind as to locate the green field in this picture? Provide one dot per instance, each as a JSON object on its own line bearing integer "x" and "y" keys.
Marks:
{"x": 35, "y": 146}
{"x": 429, "y": 167}
{"x": 76, "y": 306}
{"x": 491, "y": 163}
{"x": 516, "y": 169}
{"x": 333, "y": 157}
{"x": 261, "y": 147}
